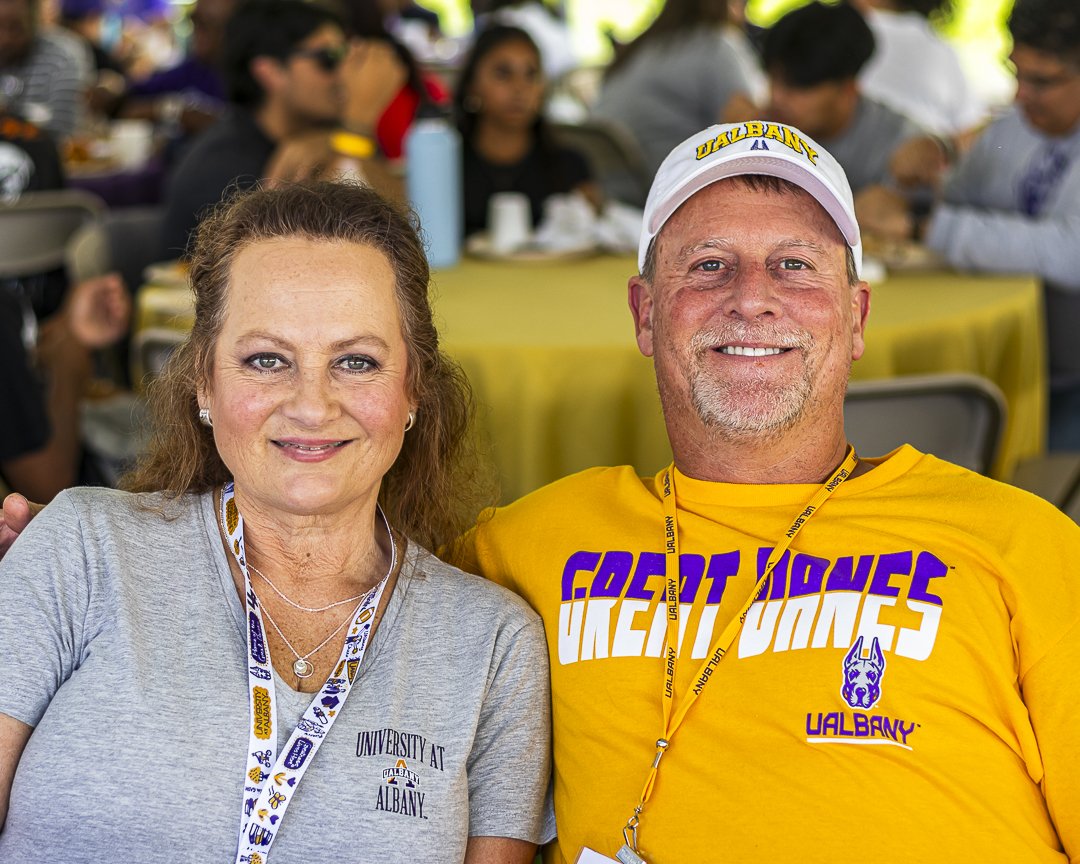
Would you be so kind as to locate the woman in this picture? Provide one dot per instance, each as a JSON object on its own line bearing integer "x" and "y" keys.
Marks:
{"x": 366, "y": 22}
{"x": 507, "y": 146}
{"x": 680, "y": 75}
{"x": 165, "y": 653}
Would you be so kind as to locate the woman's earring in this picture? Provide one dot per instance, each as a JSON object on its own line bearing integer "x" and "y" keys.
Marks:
{"x": 412, "y": 420}
{"x": 206, "y": 419}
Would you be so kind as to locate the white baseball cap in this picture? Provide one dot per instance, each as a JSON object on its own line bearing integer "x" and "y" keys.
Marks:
{"x": 754, "y": 147}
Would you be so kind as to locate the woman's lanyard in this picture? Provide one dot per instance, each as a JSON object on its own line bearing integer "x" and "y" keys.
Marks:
{"x": 265, "y": 802}
{"x": 673, "y": 719}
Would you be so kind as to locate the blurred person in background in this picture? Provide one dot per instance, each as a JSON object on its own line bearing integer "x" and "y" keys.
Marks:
{"x": 679, "y": 75}
{"x": 367, "y": 20}
{"x": 544, "y": 25}
{"x": 1013, "y": 202}
{"x": 506, "y": 143}
{"x": 915, "y": 71}
{"x": 189, "y": 96}
{"x": 46, "y": 370}
{"x": 84, "y": 19}
{"x": 813, "y": 57}
{"x": 297, "y": 91}
{"x": 41, "y": 77}
{"x": 29, "y": 158}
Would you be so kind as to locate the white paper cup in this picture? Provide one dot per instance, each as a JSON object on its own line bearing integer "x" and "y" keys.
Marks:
{"x": 509, "y": 221}
{"x": 132, "y": 141}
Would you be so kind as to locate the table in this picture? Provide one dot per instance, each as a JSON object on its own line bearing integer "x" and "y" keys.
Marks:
{"x": 550, "y": 351}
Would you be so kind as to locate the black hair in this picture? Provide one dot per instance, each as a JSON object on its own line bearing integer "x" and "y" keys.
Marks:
{"x": 675, "y": 17}
{"x": 1050, "y": 26}
{"x": 466, "y": 117}
{"x": 365, "y": 19}
{"x": 939, "y": 10}
{"x": 817, "y": 44}
{"x": 267, "y": 28}
{"x": 487, "y": 41}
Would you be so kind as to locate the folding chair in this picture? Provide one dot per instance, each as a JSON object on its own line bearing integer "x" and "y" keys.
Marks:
{"x": 35, "y": 230}
{"x": 955, "y": 416}
{"x": 613, "y": 154}
{"x": 126, "y": 240}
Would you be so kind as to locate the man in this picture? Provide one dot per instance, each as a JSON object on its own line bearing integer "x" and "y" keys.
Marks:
{"x": 813, "y": 57}
{"x": 1013, "y": 203}
{"x": 287, "y": 65}
{"x": 42, "y": 73}
{"x": 29, "y": 160}
{"x": 902, "y": 688}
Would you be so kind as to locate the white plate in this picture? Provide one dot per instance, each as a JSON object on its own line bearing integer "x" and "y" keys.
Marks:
{"x": 479, "y": 246}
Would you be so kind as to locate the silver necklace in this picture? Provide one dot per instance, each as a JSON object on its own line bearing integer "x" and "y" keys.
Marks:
{"x": 302, "y": 666}
{"x": 278, "y": 591}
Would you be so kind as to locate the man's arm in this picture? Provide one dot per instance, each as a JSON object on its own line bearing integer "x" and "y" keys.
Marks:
{"x": 975, "y": 239}
{"x": 498, "y": 850}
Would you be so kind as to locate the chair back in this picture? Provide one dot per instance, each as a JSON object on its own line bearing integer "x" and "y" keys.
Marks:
{"x": 956, "y": 417}
{"x": 613, "y": 154}
{"x": 127, "y": 240}
{"x": 35, "y": 230}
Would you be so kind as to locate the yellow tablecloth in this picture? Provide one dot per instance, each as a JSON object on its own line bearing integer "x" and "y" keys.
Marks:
{"x": 550, "y": 351}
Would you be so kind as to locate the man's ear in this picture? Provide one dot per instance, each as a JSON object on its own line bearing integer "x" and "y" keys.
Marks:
{"x": 860, "y": 311}
{"x": 639, "y": 296}
{"x": 266, "y": 71}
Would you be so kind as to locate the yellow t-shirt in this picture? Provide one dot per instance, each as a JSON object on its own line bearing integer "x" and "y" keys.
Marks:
{"x": 906, "y": 692}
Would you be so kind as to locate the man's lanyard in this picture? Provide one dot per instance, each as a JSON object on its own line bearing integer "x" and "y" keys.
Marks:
{"x": 265, "y": 802}
{"x": 673, "y": 719}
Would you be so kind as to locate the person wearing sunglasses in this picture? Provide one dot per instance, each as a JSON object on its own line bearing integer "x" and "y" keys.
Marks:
{"x": 285, "y": 64}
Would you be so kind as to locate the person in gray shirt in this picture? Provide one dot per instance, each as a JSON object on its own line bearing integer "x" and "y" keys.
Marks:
{"x": 677, "y": 77}
{"x": 177, "y": 666}
{"x": 812, "y": 58}
{"x": 1012, "y": 204}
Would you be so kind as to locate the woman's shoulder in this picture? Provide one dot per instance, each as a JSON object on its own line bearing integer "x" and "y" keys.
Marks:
{"x": 101, "y": 510}
{"x": 467, "y": 591}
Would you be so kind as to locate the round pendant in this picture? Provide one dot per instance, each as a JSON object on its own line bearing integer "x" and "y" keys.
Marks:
{"x": 302, "y": 668}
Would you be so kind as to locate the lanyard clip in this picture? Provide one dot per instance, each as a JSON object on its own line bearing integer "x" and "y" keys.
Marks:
{"x": 661, "y": 748}
{"x": 629, "y": 834}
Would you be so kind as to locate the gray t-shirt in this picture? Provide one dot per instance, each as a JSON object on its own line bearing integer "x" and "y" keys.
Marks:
{"x": 671, "y": 89}
{"x": 981, "y": 226}
{"x": 865, "y": 148}
{"x": 121, "y": 642}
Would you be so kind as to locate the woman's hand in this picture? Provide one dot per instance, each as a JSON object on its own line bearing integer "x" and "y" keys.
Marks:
{"x": 372, "y": 74}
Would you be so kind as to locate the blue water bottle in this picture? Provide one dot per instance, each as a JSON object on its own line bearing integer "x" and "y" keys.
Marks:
{"x": 433, "y": 183}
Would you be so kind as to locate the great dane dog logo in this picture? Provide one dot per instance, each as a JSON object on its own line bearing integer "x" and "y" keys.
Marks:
{"x": 862, "y": 675}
